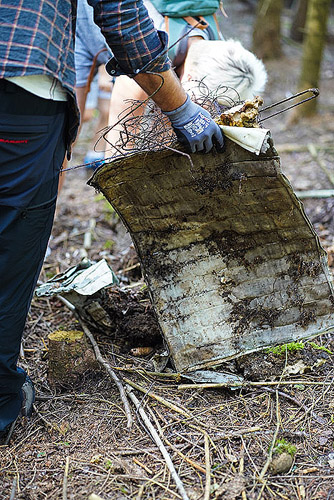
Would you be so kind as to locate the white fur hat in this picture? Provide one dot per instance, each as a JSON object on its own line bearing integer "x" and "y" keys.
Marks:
{"x": 225, "y": 64}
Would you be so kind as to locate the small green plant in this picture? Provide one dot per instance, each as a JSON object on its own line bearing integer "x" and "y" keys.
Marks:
{"x": 216, "y": 467}
{"x": 283, "y": 446}
{"x": 320, "y": 347}
{"x": 108, "y": 464}
{"x": 279, "y": 350}
{"x": 299, "y": 387}
{"x": 109, "y": 244}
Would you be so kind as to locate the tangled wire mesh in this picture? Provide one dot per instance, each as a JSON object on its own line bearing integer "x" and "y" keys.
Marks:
{"x": 143, "y": 127}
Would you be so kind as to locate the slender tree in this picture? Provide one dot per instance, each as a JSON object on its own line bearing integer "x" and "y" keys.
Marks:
{"x": 298, "y": 23}
{"x": 267, "y": 29}
{"x": 313, "y": 46}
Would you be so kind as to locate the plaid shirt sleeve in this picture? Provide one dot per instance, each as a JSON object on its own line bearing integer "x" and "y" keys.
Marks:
{"x": 131, "y": 35}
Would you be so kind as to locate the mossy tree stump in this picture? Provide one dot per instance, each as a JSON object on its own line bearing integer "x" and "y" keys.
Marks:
{"x": 70, "y": 357}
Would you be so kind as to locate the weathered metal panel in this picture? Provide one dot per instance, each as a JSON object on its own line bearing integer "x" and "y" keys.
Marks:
{"x": 232, "y": 262}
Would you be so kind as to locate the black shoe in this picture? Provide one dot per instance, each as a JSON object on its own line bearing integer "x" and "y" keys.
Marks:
{"x": 5, "y": 436}
{"x": 28, "y": 398}
{"x": 28, "y": 393}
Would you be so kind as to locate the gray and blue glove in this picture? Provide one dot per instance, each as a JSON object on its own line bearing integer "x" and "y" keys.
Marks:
{"x": 195, "y": 128}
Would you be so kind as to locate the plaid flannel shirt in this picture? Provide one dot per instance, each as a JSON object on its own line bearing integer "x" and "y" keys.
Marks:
{"x": 36, "y": 37}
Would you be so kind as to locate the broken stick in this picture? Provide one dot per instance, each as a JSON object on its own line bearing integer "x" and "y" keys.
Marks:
{"x": 156, "y": 438}
{"x": 102, "y": 361}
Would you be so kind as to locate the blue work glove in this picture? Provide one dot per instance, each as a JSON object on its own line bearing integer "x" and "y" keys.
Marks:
{"x": 195, "y": 128}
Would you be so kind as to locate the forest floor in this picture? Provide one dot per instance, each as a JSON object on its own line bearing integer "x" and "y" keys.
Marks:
{"x": 77, "y": 441}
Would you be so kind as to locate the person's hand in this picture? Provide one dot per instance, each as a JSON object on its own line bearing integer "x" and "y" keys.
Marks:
{"x": 195, "y": 128}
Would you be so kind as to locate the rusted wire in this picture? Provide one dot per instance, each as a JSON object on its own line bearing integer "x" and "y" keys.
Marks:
{"x": 152, "y": 130}
{"x": 315, "y": 93}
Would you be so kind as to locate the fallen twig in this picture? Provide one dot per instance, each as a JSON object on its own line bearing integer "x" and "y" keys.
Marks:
{"x": 292, "y": 399}
{"x": 241, "y": 472}
{"x": 67, "y": 464}
{"x": 140, "y": 492}
{"x": 140, "y": 371}
{"x": 310, "y": 409}
{"x": 207, "y": 468}
{"x": 44, "y": 420}
{"x": 110, "y": 372}
{"x": 321, "y": 164}
{"x": 143, "y": 466}
{"x": 315, "y": 193}
{"x": 14, "y": 488}
{"x": 158, "y": 442}
{"x": 237, "y": 434}
{"x": 178, "y": 452}
{"x": 248, "y": 384}
{"x": 299, "y": 148}
{"x": 101, "y": 360}
{"x": 161, "y": 400}
{"x": 185, "y": 458}
{"x": 270, "y": 453}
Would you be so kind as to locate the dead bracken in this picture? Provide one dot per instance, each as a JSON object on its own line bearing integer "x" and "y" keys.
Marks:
{"x": 243, "y": 115}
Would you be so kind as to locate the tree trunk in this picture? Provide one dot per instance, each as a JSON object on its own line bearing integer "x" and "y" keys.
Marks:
{"x": 298, "y": 23}
{"x": 267, "y": 30}
{"x": 70, "y": 358}
{"x": 314, "y": 42}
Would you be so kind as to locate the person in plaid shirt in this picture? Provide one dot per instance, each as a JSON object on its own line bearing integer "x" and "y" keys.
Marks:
{"x": 38, "y": 123}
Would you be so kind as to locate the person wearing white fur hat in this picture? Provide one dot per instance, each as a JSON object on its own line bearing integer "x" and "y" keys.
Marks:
{"x": 225, "y": 67}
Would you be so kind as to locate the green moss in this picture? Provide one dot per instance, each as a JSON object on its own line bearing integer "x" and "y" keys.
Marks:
{"x": 279, "y": 350}
{"x": 66, "y": 335}
{"x": 108, "y": 464}
{"x": 283, "y": 446}
{"x": 109, "y": 244}
{"x": 320, "y": 347}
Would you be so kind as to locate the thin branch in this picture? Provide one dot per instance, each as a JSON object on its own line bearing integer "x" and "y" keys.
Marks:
{"x": 241, "y": 472}
{"x": 321, "y": 164}
{"x": 143, "y": 371}
{"x": 101, "y": 360}
{"x": 237, "y": 434}
{"x": 310, "y": 409}
{"x": 110, "y": 372}
{"x": 271, "y": 449}
{"x": 67, "y": 464}
{"x": 14, "y": 488}
{"x": 159, "y": 443}
{"x": 178, "y": 452}
{"x": 207, "y": 468}
{"x": 161, "y": 400}
{"x": 315, "y": 193}
{"x": 249, "y": 384}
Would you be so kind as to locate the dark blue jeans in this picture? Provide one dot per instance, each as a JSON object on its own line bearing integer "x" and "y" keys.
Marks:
{"x": 32, "y": 149}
